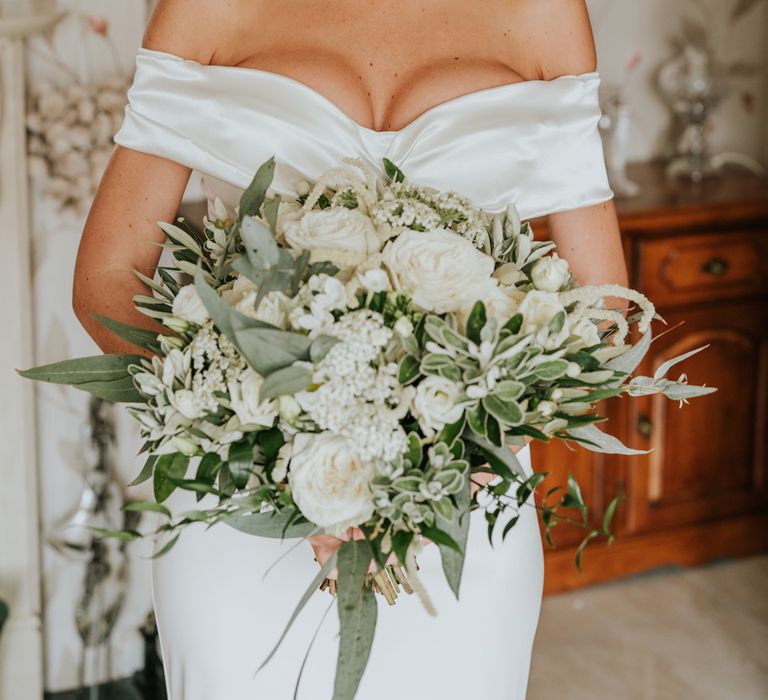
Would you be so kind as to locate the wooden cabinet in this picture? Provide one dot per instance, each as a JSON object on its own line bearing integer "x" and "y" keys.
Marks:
{"x": 700, "y": 253}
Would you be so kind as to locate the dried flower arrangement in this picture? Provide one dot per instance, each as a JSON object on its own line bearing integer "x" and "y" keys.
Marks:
{"x": 71, "y": 127}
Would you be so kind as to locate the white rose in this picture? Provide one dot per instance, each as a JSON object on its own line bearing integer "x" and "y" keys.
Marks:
{"x": 538, "y": 309}
{"x": 329, "y": 482}
{"x": 189, "y": 307}
{"x": 586, "y": 333}
{"x": 280, "y": 470}
{"x": 434, "y": 404}
{"x": 443, "y": 271}
{"x": 550, "y": 273}
{"x": 339, "y": 235}
{"x": 273, "y": 308}
{"x": 245, "y": 400}
{"x": 502, "y": 304}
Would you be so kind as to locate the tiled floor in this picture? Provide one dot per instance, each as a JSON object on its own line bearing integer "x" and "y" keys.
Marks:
{"x": 698, "y": 634}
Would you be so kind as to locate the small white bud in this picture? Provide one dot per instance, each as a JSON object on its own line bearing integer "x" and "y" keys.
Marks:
{"x": 404, "y": 327}
{"x": 547, "y": 408}
{"x": 574, "y": 369}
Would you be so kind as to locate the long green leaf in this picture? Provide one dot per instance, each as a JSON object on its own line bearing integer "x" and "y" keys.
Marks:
{"x": 458, "y": 530}
{"x": 272, "y": 524}
{"x": 288, "y": 380}
{"x": 357, "y": 618}
{"x": 167, "y": 469}
{"x": 253, "y": 197}
{"x": 502, "y": 459}
{"x": 140, "y": 337}
{"x": 104, "y": 376}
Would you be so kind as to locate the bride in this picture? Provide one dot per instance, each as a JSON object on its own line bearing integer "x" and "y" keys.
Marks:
{"x": 494, "y": 99}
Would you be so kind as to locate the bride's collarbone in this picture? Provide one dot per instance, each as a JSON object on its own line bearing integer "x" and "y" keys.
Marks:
{"x": 380, "y": 92}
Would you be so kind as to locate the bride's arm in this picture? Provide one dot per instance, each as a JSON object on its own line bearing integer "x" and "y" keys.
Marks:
{"x": 120, "y": 235}
{"x": 137, "y": 191}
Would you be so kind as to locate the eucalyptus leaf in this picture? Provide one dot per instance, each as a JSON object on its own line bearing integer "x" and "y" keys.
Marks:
{"x": 272, "y": 524}
{"x": 596, "y": 440}
{"x": 357, "y": 617}
{"x": 140, "y": 337}
{"x": 664, "y": 367}
{"x": 458, "y": 530}
{"x": 288, "y": 380}
{"x": 631, "y": 359}
{"x": 502, "y": 459}
{"x": 253, "y": 197}
{"x": 104, "y": 376}
{"x": 260, "y": 245}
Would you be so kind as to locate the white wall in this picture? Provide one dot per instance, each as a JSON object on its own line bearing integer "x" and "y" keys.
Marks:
{"x": 63, "y": 412}
{"x": 624, "y": 28}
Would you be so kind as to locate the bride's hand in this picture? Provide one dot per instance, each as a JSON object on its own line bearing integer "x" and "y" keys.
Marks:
{"x": 325, "y": 546}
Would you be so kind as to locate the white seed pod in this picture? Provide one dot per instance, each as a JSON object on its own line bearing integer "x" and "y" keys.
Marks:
{"x": 53, "y": 105}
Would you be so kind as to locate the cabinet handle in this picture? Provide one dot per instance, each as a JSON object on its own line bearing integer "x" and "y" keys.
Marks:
{"x": 716, "y": 267}
{"x": 645, "y": 426}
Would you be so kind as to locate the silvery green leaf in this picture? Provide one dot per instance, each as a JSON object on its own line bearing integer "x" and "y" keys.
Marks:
{"x": 140, "y": 337}
{"x": 502, "y": 459}
{"x": 599, "y": 377}
{"x": 679, "y": 391}
{"x": 104, "y": 376}
{"x": 271, "y": 209}
{"x": 508, "y": 413}
{"x": 191, "y": 269}
{"x": 320, "y": 347}
{"x": 267, "y": 350}
{"x": 509, "y": 390}
{"x": 629, "y": 361}
{"x": 271, "y": 524}
{"x": 253, "y": 197}
{"x": 664, "y": 367}
{"x": 598, "y": 441}
{"x": 445, "y": 511}
{"x": 289, "y": 380}
{"x": 182, "y": 238}
{"x": 357, "y": 617}
{"x": 609, "y": 352}
{"x": 575, "y": 408}
{"x": 260, "y": 245}
{"x": 551, "y": 370}
{"x": 155, "y": 286}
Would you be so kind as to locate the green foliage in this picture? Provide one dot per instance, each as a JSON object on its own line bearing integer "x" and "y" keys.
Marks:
{"x": 104, "y": 376}
{"x": 357, "y": 618}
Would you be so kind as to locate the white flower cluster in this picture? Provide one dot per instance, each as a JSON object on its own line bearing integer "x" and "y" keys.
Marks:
{"x": 70, "y": 137}
{"x": 358, "y": 395}
{"x": 405, "y": 206}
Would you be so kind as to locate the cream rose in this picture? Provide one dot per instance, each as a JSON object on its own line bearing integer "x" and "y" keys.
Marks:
{"x": 189, "y": 307}
{"x": 329, "y": 482}
{"x": 443, "y": 271}
{"x": 434, "y": 404}
{"x": 339, "y": 235}
{"x": 550, "y": 273}
{"x": 245, "y": 400}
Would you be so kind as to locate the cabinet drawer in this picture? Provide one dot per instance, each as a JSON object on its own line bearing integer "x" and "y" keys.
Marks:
{"x": 684, "y": 269}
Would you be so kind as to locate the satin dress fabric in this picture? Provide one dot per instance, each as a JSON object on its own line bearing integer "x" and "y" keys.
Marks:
{"x": 222, "y": 598}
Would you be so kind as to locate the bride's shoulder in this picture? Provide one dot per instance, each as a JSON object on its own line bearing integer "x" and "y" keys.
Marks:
{"x": 198, "y": 30}
{"x": 553, "y": 36}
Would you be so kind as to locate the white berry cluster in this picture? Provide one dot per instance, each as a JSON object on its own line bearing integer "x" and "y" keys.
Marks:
{"x": 406, "y": 206}
{"x": 358, "y": 395}
{"x": 215, "y": 362}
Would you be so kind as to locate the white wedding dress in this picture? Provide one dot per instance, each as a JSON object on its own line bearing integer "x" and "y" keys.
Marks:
{"x": 534, "y": 143}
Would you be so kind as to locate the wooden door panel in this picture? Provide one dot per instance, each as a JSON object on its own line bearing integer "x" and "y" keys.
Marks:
{"x": 708, "y": 457}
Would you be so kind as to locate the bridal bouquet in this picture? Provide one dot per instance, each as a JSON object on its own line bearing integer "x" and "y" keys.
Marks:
{"x": 352, "y": 358}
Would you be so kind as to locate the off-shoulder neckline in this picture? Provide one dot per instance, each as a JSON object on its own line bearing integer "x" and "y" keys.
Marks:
{"x": 317, "y": 95}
